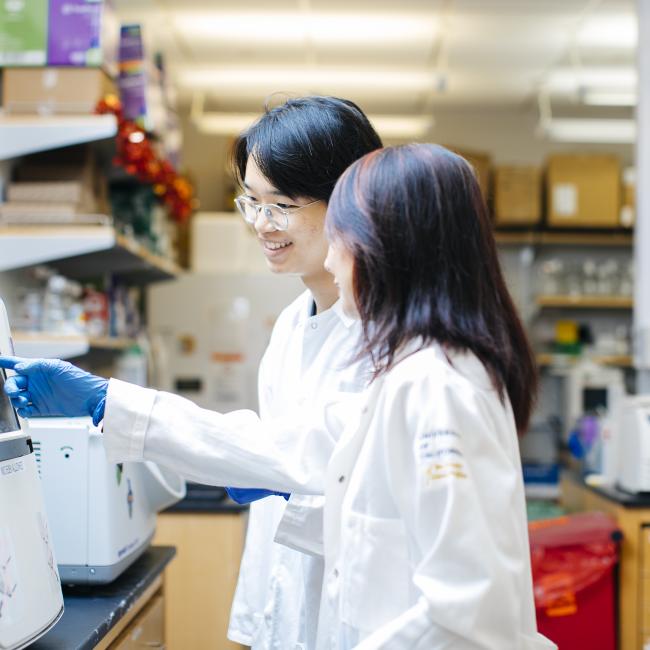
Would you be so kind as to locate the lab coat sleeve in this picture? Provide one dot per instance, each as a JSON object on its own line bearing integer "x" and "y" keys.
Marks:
{"x": 237, "y": 449}
{"x": 444, "y": 462}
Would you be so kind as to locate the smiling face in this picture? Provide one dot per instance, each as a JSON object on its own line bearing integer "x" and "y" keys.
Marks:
{"x": 340, "y": 263}
{"x": 302, "y": 248}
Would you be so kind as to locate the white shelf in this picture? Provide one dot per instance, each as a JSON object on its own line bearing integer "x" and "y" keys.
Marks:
{"x": 82, "y": 252}
{"x": 41, "y": 345}
{"x": 22, "y": 246}
{"x": 62, "y": 346}
{"x": 24, "y": 134}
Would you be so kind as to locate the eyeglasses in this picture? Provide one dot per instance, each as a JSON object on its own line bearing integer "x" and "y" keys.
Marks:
{"x": 277, "y": 215}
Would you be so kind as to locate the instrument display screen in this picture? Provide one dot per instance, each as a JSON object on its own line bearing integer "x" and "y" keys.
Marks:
{"x": 8, "y": 419}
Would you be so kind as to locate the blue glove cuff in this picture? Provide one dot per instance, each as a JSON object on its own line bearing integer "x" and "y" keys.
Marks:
{"x": 98, "y": 413}
{"x": 248, "y": 495}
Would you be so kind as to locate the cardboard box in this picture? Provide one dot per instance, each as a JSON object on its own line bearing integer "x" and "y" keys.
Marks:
{"x": 47, "y": 192}
{"x": 23, "y": 32}
{"x": 69, "y": 176}
{"x": 517, "y": 195}
{"x": 583, "y": 191}
{"x": 628, "y": 209}
{"x": 482, "y": 164}
{"x": 82, "y": 33}
{"x": 48, "y": 91}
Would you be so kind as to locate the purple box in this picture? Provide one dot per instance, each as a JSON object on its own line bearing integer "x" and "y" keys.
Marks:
{"x": 132, "y": 79}
{"x": 75, "y": 33}
{"x": 131, "y": 49}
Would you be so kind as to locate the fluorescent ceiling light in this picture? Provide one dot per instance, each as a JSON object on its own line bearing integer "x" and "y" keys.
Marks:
{"x": 587, "y": 130}
{"x": 603, "y": 97}
{"x": 613, "y": 31}
{"x": 277, "y": 28}
{"x": 389, "y": 126}
{"x": 265, "y": 80}
{"x": 569, "y": 80}
{"x": 411, "y": 127}
{"x": 224, "y": 123}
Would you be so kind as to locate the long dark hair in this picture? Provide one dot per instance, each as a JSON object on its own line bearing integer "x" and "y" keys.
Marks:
{"x": 304, "y": 145}
{"x": 426, "y": 265}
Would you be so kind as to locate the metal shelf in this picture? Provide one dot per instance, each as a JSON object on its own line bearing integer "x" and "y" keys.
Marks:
{"x": 554, "y": 238}
{"x": 111, "y": 343}
{"x": 613, "y": 239}
{"x": 550, "y": 359}
{"x": 585, "y": 302}
{"x": 82, "y": 252}
{"x": 24, "y": 134}
{"x": 516, "y": 238}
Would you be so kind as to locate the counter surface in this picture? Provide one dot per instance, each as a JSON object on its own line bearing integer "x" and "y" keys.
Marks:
{"x": 208, "y": 499}
{"x": 91, "y": 612}
{"x": 612, "y": 492}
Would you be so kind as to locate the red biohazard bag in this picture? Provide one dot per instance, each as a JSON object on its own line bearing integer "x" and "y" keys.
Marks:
{"x": 573, "y": 560}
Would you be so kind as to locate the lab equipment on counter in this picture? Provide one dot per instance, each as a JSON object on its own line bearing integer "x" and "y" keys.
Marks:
{"x": 593, "y": 394}
{"x": 634, "y": 436}
{"x": 102, "y": 515}
{"x": 31, "y": 601}
{"x": 589, "y": 387}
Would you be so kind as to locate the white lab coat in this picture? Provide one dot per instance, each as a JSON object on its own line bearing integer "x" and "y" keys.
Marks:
{"x": 425, "y": 531}
{"x": 306, "y": 364}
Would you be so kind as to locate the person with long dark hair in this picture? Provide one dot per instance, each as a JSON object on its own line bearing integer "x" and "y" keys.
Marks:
{"x": 426, "y": 540}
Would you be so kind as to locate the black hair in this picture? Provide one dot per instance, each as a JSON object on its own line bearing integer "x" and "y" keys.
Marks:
{"x": 426, "y": 266}
{"x": 305, "y": 144}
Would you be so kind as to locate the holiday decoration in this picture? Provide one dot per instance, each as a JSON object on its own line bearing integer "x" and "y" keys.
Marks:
{"x": 138, "y": 156}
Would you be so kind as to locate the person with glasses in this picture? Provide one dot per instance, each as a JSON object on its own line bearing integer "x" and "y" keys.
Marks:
{"x": 287, "y": 163}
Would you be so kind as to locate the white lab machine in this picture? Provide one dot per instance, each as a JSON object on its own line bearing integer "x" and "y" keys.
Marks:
{"x": 634, "y": 443}
{"x": 31, "y": 601}
{"x": 102, "y": 515}
{"x": 591, "y": 388}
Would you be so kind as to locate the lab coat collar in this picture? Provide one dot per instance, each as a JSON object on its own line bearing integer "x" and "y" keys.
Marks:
{"x": 336, "y": 310}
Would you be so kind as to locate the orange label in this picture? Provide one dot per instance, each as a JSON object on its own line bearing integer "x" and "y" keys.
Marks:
{"x": 564, "y": 605}
{"x": 227, "y": 357}
{"x": 547, "y": 523}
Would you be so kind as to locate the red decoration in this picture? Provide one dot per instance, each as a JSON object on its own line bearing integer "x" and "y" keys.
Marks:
{"x": 137, "y": 155}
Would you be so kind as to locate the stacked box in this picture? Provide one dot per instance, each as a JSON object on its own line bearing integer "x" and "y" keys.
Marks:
{"x": 517, "y": 195}
{"x": 481, "y": 163}
{"x": 63, "y": 185}
{"x": 23, "y": 33}
{"x": 79, "y": 33}
{"x": 583, "y": 191}
{"x": 132, "y": 78}
{"x": 48, "y": 91}
{"x": 628, "y": 209}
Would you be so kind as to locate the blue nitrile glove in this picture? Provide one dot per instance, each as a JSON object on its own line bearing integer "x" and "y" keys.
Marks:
{"x": 51, "y": 387}
{"x": 248, "y": 495}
